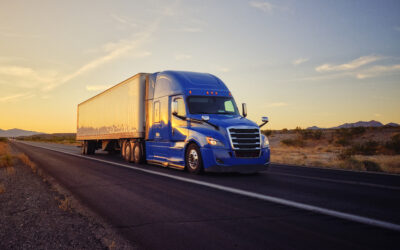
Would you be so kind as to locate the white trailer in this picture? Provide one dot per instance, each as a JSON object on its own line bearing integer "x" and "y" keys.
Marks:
{"x": 116, "y": 113}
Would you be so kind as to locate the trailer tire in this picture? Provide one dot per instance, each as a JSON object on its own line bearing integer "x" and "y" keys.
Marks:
{"x": 84, "y": 147}
{"x": 138, "y": 153}
{"x": 128, "y": 152}
{"x": 91, "y": 147}
{"x": 193, "y": 160}
{"x": 123, "y": 149}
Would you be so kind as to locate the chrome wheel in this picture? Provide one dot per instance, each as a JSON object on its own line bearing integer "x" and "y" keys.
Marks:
{"x": 193, "y": 159}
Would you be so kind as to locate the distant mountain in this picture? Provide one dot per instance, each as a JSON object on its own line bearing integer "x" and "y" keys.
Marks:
{"x": 361, "y": 124}
{"x": 392, "y": 124}
{"x": 314, "y": 127}
{"x": 17, "y": 132}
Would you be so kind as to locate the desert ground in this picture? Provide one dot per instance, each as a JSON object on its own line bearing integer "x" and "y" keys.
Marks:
{"x": 364, "y": 149}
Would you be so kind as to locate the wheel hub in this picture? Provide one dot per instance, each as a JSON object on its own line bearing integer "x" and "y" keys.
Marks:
{"x": 193, "y": 159}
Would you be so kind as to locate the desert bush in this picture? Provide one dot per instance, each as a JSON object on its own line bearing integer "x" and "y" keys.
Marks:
{"x": 367, "y": 148}
{"x": 345, "y": 135}
{"x": 266, "y": 132}
{"x": 353, "y": 164}
{"x": 310, "y": 134}
{"x": 394, "y": 144}
{"x": 298, "y": 142}
{"x": 343, "y": 142}
{"x": 285, "y": 130}
{"x": 371, "y": 166}
{"x": 344, "y": 154}
{"x": 3, "y": 139}
{"x": 6, "y": 160}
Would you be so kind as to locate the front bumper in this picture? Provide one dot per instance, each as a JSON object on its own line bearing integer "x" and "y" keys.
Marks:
{"x": 223, "y": 160}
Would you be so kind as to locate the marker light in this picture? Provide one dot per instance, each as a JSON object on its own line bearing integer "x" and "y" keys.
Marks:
{"x": 230, "y": 94}
{"x": 212, "y": 92}
{"x": 207, "y": 92}
{"x": 216, "y": 93}
{"x": 190, "y": 92}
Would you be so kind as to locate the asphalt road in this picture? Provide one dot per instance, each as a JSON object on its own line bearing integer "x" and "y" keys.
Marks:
{"x": 287, "y": 207}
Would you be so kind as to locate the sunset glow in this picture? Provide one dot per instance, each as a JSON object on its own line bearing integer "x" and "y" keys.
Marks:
{"x": 301, "y": 63}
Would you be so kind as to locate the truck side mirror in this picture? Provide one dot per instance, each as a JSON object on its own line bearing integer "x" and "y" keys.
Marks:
{"x": 244, "y": 109}
{"x": 265, "y": 120}
{"x": 174, "y": 107}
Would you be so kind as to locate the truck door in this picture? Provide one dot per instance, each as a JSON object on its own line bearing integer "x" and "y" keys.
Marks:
{"x": 178, "y": 132}
{"x": 178, "y": 125}
{"x": 160, "y": 129}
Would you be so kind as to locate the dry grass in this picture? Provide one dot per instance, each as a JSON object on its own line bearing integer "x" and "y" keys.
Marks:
{"x": 112, "y": 246}
{"x": 387, "y": 163}
{"x": 327, "y": 148}
{"x": 2, "y": 188}
{"x": 6, "y": 159}
{"x": 25, "y": 160}
{"x": 64, "y": 203}
{"x": 61, "y": 138}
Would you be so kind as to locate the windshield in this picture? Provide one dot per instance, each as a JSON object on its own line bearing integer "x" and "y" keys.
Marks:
{"x": 212, "y": 105}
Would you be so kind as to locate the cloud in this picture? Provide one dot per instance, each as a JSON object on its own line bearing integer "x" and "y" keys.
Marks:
{"x": 97, "y": 87}
{"x": 377, "y": 115}
{"x": 378, "y": 70}
{"x": 113, "y": 51}
{"x": 25, "y": 77}
{"x": 191, "y": 29}
{"x": 277, "y": 104}
{"x": 181, "y": 57}
{"x": 123, "y": 21}
{"x": 16, "y": 96}
{"x": 397, "y": 28}
{"x": 263, "y": 6}
{"x": 300, "y": 61}
{"x": 348, "y": 66}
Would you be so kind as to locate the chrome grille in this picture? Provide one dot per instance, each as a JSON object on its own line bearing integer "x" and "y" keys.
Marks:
{"x": 245, "y": 141}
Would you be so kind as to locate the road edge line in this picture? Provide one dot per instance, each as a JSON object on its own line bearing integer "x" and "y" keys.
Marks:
{"x": 311, "y": 208}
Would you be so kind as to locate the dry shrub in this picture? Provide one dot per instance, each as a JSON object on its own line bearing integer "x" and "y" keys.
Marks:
{"x": 25, "y": 159}
{"x": 6, "y": 160}
{"x": 298, "y": 142}
{"x": 112, "y": 246}
{"x": 10, "y": 170}
{"x": 3, "y": 148}
{"x": 2, "y": 188}
{"x": 64, "y": 203}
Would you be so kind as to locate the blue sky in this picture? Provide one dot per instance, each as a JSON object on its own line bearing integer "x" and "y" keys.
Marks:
{"x": 301, "y": 63}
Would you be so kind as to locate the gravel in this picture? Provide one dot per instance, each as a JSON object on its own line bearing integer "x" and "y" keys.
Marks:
{"x": 36, "y": 213}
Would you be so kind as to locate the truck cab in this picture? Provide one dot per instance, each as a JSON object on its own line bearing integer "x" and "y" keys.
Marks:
{"x": 192, "y": 122}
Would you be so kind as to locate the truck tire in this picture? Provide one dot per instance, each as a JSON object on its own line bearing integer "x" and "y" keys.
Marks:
{"x": 193, "y": 160}
{"x": 138, "y": 153}
{"x": 128, "y": 152}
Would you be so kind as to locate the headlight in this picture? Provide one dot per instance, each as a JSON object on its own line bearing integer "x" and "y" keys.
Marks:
{"x": 214, "y": 142}
{"x": 264, "y": 141}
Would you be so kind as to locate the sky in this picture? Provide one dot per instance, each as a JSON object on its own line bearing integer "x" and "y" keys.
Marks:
{"x": 301, "y": 63}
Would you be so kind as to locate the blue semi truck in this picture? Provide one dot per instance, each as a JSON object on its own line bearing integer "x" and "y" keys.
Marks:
{"x": 177, "y": 119}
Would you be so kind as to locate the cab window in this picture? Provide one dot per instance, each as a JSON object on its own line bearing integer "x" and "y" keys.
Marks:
{"x": 181, "y": 106}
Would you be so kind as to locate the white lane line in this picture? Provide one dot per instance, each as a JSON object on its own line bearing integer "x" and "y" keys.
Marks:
{"x": 338, "y": 181}
{"x": 320, "y": 210}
